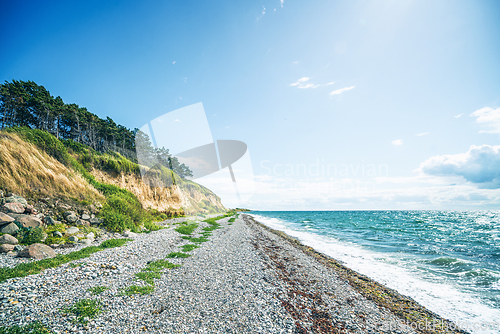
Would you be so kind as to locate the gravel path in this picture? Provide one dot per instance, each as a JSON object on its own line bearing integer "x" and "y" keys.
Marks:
{"x": 245, "y": 279}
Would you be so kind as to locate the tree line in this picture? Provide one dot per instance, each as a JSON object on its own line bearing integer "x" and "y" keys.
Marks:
{"x": 25, "y": 103}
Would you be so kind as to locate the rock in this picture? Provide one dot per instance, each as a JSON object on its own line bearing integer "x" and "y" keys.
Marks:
{"x": 95, "y": 221}
{"x": 68, "y": 213}
{"x": 9, "y": 229}
{"x": 73, "y": 238}
{"x": 55, "y": 246}
{"x": 5, "y": 219}
{"x": 14, "y": 207}
{"x": 85, "y": 216}
{"x": 57, "y": 234}
{"x": 64, "y": 206}
{"x": 80, "y": 236}
{"x": 16, "y": 199}
{"x": 71, "y": 218}
{"x": 18, "y": 248}
{"x": 5, "y": 248}
{"x": 44, "y": 237}
{"x": 30, "y": 210}
{"x": 29, "y": 221}
{"x": 8, "y": 239}
{"x": 128, "y": 234}
{"x": 90, "y": 235}
{"x": 86, "y": 242}
{"x": 72, "y": 230}
{"x": 82, "y": 223}
{"x": 49, "y": 220}
{"x": 10, "y": 194}
{"x": 37, "y": 251}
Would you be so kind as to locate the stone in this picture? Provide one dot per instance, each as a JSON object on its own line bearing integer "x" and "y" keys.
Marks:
{"x": 5, "y": 248}
{"x": 9, "y": 229}
{"x": 5, "y": 219}
{"x": 18, "y": 248}
{"x": 8, "y": 239}
{"x": 49, "y": 220}
{"x": 85, "y": 216}
{"x": 37, "y": 251}
{"x": 82, "y": 223}
{"x": 128, "y": 234}
{"x": 71, "y": 218}
{"x": 90, "y": 235}
{"x": 16, "y": 199}
{"x": 68, "y": 213}
{"x": 86, "y": 242}
{"x": 29, "y": 221}
{"x": 57, "y": 234}
{"x": 14, "y": 207}
{"x": 73, "y": 238}
{"x": 9, "y": 194}
{"x": 72, "y": 230}
{"x": 30, "y": 210}
{"x": 95, "y": 221}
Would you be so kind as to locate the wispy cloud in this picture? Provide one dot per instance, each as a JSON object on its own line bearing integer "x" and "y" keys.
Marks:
{"x": 296, "y": 62}
{"x": 458, "y": 116}
{"x": 340, "y": 91}
{"x": 282, "y": 1}
{"x": 173, "y": 63}
{"x": 489, "y": 117}
{"x": 422, "y": 134}
{"x": 263, "y": 10}
{"x": 304, "y": 84}
{"x": 397, "y": 142}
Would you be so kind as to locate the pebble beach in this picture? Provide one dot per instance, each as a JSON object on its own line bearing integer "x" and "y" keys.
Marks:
{"x": 245, "y": 279}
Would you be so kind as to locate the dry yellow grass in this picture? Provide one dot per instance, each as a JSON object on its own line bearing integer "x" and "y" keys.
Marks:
{"x": 27, "y": 171}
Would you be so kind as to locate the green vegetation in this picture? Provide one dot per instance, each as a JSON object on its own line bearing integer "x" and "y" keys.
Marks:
{"x": 96, "y": 290}
{"x": 159, "y": 265}
{"x": 172, "y": 255}
{"x": 193, "y": 239}
{"x": 231, "y": 220}
{"x": 136, "y": 289}
{"x": 33, "y": 328}
{"x": 85, "y": 308}
{"x": 148, "y": 276}
{"x": 189, "y": 247}
{"x": 29, "y": 236}
{"x": 187, "y": 229}
{"x": 30, "y": 268}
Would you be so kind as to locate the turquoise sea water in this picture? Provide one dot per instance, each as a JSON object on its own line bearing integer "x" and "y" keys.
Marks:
{"x": 449, "y": 261}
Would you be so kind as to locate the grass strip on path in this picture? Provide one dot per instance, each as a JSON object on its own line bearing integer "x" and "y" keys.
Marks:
{"x": 189, "y": 247}
{"x": 85, "y": 308}
{"x": 33, "y": 328}
{"x": 173, "y": 255}
{"x": 31, "y": 268}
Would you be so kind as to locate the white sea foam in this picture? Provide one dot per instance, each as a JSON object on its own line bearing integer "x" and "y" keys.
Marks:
{"x": 440, "y": 297}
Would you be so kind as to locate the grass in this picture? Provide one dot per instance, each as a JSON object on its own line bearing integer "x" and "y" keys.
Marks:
{"x": 31, "y": 268}
{"x": 160, "y": 264}
{"x": 172, "y": 255}
{"x": 96, "y": 290}
{"x": 148, "y": 276}
{"x": 211, "y": 228}
{"x": 196, "y": 240}
{"x": 136, "y": 289}
{"x": 189, "y": 247}
{"x": 33, "y": 328}
{"x": 85, "y": 308}
{"x": 231, "y": 220}
{"x": 186, "y": 229}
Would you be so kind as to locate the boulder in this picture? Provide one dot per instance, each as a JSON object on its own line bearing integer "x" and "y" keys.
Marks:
{"x": 95, "y": 221}
{"x": 73, "y": 238}
{"x": 5, "y": 219}
{"x": 9, "y": 229}
{"x": 57, "y": 234}
{"x": 85, "y": 216}
{"x": 16, "y": 199}
{"x": 29, "y": 221}
{"x": 71, "y": 218}
{"x": 14, "y": 207}
{"x": 8, "y": 239}
{"x": 30, "y": 210}
{"x": 90, "y": 236}
{"x": 18, "y": 248}
{"x": 37, "y": 251}
{"x": 72, "y": 230}
{"x": 86, "y": 242}
{"x": 128, "y": 234}
{"x": 5, "y": 248}
{"x": 68, "y": 213}
{"x": 49, "y": 220}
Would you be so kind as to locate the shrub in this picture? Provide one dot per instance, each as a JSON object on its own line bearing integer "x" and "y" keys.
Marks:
{"x": 186, "y": 229}
{"x": 85, "y": 308}
{"x": 29, "y": 236}
{"x": 33, "y": 328}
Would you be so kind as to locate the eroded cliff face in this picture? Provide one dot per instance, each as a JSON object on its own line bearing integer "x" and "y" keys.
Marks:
{"x": 189, "y": 196}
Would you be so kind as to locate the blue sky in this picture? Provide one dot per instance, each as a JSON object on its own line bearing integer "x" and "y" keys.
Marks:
{"x": 389, "y": 86}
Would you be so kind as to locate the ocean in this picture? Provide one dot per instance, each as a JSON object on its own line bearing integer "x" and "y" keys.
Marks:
{"x": 448, "y": 261}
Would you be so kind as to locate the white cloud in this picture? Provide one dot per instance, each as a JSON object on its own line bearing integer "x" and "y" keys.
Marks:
{"x": 263, "y": 10}
{"x": 301, "y": 83}
{"x": 295, "y": 62}
{"x": 282, "y": 1}
{"x": 173, "y": 63}
{"x": 341, "y": 90}
{"x": 422, "y": 134}
{"x": 458, "y": 116}
{"x": 489, "y": 117}
{"x": 397, "y": 142}
{"x": 480, "y": 166}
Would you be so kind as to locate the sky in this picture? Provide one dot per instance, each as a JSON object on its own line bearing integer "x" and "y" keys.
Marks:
{"x": 343, "y": 105}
